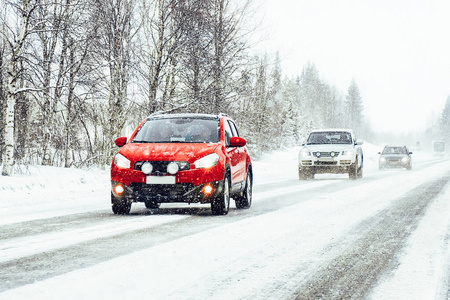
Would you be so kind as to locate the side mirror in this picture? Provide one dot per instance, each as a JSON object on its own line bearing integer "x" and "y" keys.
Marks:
{"x": 237, "y": 142}
{"x": 359, "y": 142}
{"x": 120, "y": 141}
{"x": 410, "y": 152}
{"x": 379, "y": 152}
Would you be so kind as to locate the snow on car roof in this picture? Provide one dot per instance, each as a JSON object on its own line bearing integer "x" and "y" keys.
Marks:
{"x": 182, "y": 115}
{"x": 333, "y": 130}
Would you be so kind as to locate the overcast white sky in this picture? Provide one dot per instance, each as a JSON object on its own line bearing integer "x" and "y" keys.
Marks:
{"x": 398, "y": 51}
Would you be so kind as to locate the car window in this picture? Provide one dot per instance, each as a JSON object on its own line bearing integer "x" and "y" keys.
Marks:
{"x": 178, "y": 130}
{"x": 228, "y": 133}
{"x": 329, "y": 137}
{"x": 233, "y": 127}
{"x": 395, "y": 150}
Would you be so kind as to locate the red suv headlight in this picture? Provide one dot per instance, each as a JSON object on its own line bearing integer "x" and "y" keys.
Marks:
{"x": 207, "y": 161}
{"x": 121, "y": 161}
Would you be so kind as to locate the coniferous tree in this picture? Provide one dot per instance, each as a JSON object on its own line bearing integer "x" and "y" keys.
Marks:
{"x": 309, "y": 100}
{"x": 354, "y": 107}
{"x": 445, "y": 122}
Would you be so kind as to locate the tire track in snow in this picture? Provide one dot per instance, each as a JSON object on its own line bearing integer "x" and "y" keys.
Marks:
{"x": 26, "y": 246}
{"x": 29, "y": 268}
{"x": 354, "y": 272}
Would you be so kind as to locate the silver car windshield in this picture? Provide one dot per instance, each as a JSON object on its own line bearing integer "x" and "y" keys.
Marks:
{"x": 178, "y": 130}
{"x": 331, "y": 137}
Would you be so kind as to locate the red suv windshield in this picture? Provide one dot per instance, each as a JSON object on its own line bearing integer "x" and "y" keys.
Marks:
{"x": 178, "y": 130}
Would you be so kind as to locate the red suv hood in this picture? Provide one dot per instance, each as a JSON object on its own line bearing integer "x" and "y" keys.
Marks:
{"x": 189, "y": 152}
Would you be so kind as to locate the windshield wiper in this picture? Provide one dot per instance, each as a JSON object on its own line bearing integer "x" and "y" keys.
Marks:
{"x": 135, "y": 141}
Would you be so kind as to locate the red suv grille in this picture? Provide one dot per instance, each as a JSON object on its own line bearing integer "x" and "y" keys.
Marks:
{"x": 160, "y": 167}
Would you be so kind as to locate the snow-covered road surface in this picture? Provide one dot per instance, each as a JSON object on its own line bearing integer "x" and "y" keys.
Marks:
{"x": 385, "y": 236}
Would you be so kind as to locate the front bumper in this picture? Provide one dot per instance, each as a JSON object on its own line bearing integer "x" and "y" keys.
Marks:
{"x": 337, "y": 165}
{"x": 394, "y": 164}
{"x": 167, "y": 193}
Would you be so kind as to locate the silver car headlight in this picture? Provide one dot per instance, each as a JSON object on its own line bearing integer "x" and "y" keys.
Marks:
{"x": 348, "y": 153}
{"x": 207, "y": 161}
{"x": 405, "y": 159}
{"x": 305, "y": 153}
{"x": 121, "y": 161}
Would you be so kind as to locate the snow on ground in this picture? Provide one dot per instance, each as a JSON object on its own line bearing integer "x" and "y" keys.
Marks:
{"x": 46, "y": 192}
{"x": 423, "y": 266}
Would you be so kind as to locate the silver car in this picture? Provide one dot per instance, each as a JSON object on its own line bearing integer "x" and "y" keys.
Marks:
{"x": 330, "y": 151}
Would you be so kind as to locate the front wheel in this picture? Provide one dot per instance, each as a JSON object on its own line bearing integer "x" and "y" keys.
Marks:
{"x": 245, "y": 199}
{"x": 302, "y": 174}
{"x": 353, "y": 171}
{"x": 360, "y": 172}
{"x": 305, "y": 174}
{"x": 221, "y": 204}
{"x": 120, "y": 206}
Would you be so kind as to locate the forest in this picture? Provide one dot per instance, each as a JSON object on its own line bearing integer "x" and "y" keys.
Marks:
{"x": 77, "y": 74}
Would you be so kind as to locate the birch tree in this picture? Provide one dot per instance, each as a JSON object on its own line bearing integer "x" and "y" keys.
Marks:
{"x": 16, "y": 38}
{"x": 48, "y": 22}
{"x": 114, "y": 44}
{"x": 230, "y": 44}
{"x": 160, "y": 38}
{"x": 2, "y": 97}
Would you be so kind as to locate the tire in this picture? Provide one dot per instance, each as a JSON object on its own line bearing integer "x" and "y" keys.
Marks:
{"x": 360, "y": 172}
{"x": 152, "y": 204}
{"x": 305, "y": 174}
{"x": 120, "y": 206}
{"x": 221, "y": 204}
{"x": 244, "y": 200}
{"x": 353, "y": 171}
{"x": 302, "y": 175}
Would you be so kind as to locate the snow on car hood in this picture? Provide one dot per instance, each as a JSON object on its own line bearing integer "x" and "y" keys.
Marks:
{"x": 167, "y": 151}
{"x": 394, "y": 155}
{"x": 328, "y": 147}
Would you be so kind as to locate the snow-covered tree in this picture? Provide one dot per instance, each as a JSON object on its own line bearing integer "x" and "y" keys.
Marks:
{"x": 354, "y": 107}
{"x": 445, "y": 121}
{"x": 310, "y": 102}
{"x": 2, "y": 97}
{"x": 16, "y": 36}
{"x": 159, "y": 39}
{"x": 115, "y": 33}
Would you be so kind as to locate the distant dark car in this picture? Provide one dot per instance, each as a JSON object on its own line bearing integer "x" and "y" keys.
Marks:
{"x": 395, "y": 157}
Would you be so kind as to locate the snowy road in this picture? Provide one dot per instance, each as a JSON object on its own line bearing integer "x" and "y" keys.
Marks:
{"x": 385, "y": 236}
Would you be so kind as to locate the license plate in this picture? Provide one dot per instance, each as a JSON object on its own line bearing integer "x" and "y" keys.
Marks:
{"x": 160, "y": 179}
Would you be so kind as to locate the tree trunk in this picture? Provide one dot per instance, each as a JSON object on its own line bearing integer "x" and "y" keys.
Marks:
{"x": 8, "y": 156}
{"x": 2, "y": 104}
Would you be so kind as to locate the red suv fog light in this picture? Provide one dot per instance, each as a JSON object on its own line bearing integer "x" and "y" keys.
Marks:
{"x": 119, "y": 189}
{"x": 207, "y": 189}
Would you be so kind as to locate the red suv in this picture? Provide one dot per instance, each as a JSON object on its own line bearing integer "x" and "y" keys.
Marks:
{"x": 182, "y": 158}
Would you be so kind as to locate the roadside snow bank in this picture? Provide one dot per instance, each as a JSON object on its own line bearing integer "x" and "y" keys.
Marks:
{"x": 46, "y": 192}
